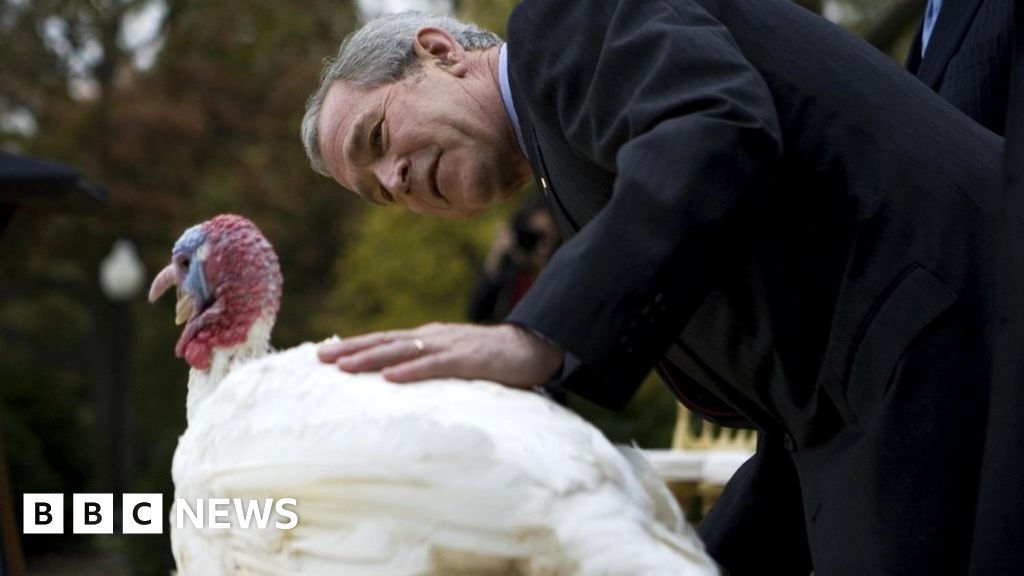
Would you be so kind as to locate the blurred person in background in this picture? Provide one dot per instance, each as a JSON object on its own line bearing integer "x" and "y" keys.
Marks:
{"x": 520, "y": 250}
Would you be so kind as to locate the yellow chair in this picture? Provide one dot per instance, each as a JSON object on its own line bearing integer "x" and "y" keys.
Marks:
{"x": 702, "y": 459}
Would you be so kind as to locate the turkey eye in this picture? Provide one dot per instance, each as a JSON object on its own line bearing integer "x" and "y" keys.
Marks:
{"x": 185, "y": 263}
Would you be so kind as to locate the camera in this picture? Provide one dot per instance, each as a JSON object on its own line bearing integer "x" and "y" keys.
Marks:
{"x": 527, "y": 238}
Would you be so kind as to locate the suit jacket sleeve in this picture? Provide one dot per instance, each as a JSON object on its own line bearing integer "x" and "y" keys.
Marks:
{"x": 659, "y": 94}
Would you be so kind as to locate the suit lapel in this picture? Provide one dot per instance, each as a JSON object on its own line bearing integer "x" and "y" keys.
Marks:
{"x": 567, "y": 227}
{"x": 954, "y": 20}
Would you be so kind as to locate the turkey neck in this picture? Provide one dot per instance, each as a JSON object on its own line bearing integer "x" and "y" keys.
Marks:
{"x": 203, "y": 383}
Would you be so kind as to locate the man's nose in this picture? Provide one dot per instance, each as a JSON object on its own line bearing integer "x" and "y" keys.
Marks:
{"x": 394, "y": 175}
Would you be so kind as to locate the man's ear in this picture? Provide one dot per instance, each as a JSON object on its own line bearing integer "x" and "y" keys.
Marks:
{"x": 439, "y": 46}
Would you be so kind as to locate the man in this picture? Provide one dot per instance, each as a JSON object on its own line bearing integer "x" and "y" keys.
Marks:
{"x": 962, "y": 51}
{"x": 1003, "y": 452}
{"x": 802, "y": 235}
{"x": 1013, "y": 164}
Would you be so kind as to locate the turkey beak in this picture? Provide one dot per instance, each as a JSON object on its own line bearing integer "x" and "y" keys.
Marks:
{"x": 183, "y": 309}
{"x": 165, "y": 279}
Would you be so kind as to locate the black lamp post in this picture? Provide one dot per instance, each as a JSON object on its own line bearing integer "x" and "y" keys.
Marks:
{"x": 52, "y": 186}
{"x": 121, "y": 279}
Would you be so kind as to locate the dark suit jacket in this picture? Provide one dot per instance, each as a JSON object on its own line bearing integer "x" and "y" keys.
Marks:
{"x": 1003, "y": 455}
{"x": 968, "y": 58}
{"x": 1014, "y": 161}
{"x": 806, "y": 233}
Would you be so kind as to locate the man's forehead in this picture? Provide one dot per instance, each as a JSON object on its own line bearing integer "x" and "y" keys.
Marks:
{"x": 343, "y": 107}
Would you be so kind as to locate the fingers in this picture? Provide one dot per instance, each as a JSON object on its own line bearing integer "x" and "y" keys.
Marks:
{"x": 439, "y": 365}
{"x": 381, "y": 356}
{"x": 402, "y": 355}
{"x": 330, "y": 351}
{"x": 505, "y": 353}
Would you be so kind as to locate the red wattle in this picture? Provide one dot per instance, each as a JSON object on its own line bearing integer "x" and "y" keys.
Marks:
{"x": 243, "y": 271}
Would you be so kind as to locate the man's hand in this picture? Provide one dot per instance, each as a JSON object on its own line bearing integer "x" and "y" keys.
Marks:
{"x": 506, "y": 353}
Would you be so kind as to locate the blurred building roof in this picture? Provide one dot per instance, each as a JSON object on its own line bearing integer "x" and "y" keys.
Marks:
{"x": 28, "y": 181}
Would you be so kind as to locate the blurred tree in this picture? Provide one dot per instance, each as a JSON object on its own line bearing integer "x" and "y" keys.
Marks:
{"x": 889, "y": 25}
{"x": 491, "y": 14}
{"x": 815, "y": 6}
{"x": 200, "y": 118}
{"x": 893, "y": 31}
{"x": 406, "y": 270}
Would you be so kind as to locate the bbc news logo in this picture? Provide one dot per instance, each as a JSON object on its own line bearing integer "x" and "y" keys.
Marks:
{"x": 92, "y": 513}
{"x": 143, "y": 513}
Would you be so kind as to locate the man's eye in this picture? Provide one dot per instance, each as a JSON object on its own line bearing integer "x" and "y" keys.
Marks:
{"x": 377, "y": 137}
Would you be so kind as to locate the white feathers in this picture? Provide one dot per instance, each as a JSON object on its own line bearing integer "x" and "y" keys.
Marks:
{"x": 444, "y": 477}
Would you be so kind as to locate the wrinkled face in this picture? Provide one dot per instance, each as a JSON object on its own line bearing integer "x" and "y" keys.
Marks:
{"x": 429, "y": 143}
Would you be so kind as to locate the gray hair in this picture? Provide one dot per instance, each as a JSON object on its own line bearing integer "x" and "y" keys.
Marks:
{"x": 381, "y": 52}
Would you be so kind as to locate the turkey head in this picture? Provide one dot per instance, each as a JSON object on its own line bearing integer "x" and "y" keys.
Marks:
{"x": 227, "y": 277}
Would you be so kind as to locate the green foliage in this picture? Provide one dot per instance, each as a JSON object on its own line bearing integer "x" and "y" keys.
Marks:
{"x": 491, "y": 14}
{"x": 648, "y": 420}
{"x": 403, "y": 270}
{"x": 211, "y": 127}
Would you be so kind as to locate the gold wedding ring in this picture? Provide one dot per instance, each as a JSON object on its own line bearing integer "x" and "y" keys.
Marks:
{"x": 419, "y": 345}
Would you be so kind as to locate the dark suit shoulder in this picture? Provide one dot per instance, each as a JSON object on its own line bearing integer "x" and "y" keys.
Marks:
{"x": 601, "y": 73}
{"x": 554, "y": 50}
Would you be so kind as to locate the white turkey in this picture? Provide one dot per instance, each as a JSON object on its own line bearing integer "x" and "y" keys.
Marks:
{"x": 440, "y": 477}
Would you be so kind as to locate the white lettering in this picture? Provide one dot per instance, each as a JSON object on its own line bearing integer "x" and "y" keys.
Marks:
{"x": 253, "y": 509}
{"x": 218, "y": 508}
{"x": 141, "y": 513}
{"x": 182, "y": 508}
{"x": 282, "y": 511}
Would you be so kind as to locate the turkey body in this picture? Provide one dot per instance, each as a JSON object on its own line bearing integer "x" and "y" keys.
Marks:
{"x": 440, "y": 477}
